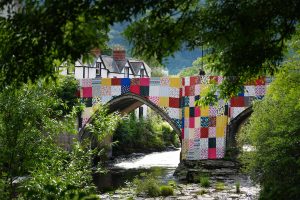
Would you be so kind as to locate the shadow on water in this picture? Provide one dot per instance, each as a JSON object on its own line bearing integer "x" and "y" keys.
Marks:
{"x": 162, "y": 164}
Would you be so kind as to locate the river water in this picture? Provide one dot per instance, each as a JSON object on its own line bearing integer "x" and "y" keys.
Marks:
{"x": 162, "y": 164}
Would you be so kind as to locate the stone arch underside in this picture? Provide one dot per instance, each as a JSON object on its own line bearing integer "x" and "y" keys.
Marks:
{"x": 234, "y": 125}
{"x": 128, "y": 102}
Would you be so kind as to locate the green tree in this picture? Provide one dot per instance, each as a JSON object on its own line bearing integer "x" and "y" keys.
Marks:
{"x": 28, "y": 118}
{"x": 274, "y": 131}
{"x": 241, "y": 38}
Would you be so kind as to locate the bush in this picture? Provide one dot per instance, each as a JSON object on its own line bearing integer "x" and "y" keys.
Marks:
{"x": 147, "y": 185}
{"x": 274, "y": 132}
{"x": 166, "y": 190}
{"x": 204, "y": 181}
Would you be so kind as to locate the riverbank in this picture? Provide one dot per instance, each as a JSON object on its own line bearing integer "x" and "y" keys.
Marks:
{"x": 162, "y": 165}
{"x": 217, "y": 191}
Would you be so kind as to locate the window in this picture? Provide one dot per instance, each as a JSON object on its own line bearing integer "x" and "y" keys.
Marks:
{"x": 126, "y": 72}
{"x": 98, "y": 69}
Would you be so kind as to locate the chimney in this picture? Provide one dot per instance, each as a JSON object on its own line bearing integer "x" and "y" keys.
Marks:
{"x": 119, "y": 54}
{"x": 96, "y": 52}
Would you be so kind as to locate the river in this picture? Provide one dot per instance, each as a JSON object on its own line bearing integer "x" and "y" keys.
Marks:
{"x": 162, "y": 164}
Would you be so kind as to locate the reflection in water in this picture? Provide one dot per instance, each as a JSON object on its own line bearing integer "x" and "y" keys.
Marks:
{"x": 162, "y": 164}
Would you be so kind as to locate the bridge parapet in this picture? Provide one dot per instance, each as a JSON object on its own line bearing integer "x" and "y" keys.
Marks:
{"x": 203, "y": 129}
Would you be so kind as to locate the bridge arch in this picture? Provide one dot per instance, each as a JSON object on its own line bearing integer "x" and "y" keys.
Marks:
{"x": 128, "y": 102}
{"x": 234, "y": 126}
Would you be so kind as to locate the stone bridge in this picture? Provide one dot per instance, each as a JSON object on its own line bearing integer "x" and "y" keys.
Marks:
{"x": 205, "y": 132}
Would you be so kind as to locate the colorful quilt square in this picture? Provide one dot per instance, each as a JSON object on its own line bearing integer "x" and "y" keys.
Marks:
{"x": 192, "y": 122}
{"x": 212, "y": 121}
{"x": 135, "y": 81}
{"x": 164, "y": 91}
{"x": 197, "y": 133}
{"x": 135, "y": 89}
{"x": 186, "y": 81}
{"x": 174, "y": 102}
{"x": 220, "y": 131}
{"x": 86, "y": 82}
{"x": 204, "y": 132}
{"x": 105, "y": 91}
{"x": 194, "y": 80}
{"x": 192, "y": 101}
{"x": 205, "y": 111}
{"x": 186, "y": 112}
{"x": 174, "y": 92}
{"x": 220, "y": 152}
{"x": 125, "y": 82}
{"x": 154, "y": 100}
{"x": 96, "y": 90}
{"x": 212, "y": 132}
{"x": 249, "y": 90}
{"x": 144, "y": 91}
{"x": 115, "y": 90}
{"x": 144, "y": 81}
{"x": 116, "y": 81}
{"x": 164, "y": 101}
{"x": 204, "y": 121}
{"x": 106, "y": 81}
{"x": 192, "y": 111}
{"x": 174, "y": 113}
{"x": 154, "y": 91}
{"x": 164, "y": 81}
{"x": 260, "y": 90}
{"x": 237, "y": 102}
{"x": 212, "y": 111}
{"x": 211, "y": 142}
{"x": 175, "y": 82}
{"x": 125, "y": 89}
{"x": 187, "y": 91}
{"x": 212, "y": 154}
{"x": 87, "y": 92}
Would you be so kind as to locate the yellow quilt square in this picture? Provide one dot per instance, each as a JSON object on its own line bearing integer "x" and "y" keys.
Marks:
{"x": 221, "y": 121}
{"x": 220, "y": 131}
{"x": 186, "y": 112}
{"x": 175, "y": 82}
{"x": 106, "y": 81}
{"x": 204, "y": 111}
{"x": 164, "y": 101}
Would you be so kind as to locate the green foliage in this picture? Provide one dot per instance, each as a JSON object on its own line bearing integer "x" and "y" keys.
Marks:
{"x": 134, "y": 134}
{"x": 166, "y": 190}
{"x": 273, "y": 130}
{"x": 147, "y": 184}
{"x": 220, "y": 186}
{"x": 61, "y": 175}
{"x": 241, "y": 38}
{"x": 237, "y": 187}
{"x": 172, "y": 183}
{"x": 28, "y": 118}
{"x": 204, "y": 181}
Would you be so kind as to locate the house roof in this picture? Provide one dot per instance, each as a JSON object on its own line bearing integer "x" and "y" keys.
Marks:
{"x": 116, "y": 66}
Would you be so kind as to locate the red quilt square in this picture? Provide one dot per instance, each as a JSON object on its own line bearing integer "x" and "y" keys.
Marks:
{"x": 174, "y": 102}
{"x": 115, "y": 81}
{"x": 197, "y": 111}
{"x": 187, "y": 91}
{"x": 87, "y": 92}
{"x": 237, "y": 102}
{"x": 192, "y": 122}
{"x": 212, "y": 153}
{"x": 194, "y": 80}
{"x": 144, "y": 81}
{"x": 135, "y": 89}
{"x": 204, "y": 133}
{"x": 182, "y": 133}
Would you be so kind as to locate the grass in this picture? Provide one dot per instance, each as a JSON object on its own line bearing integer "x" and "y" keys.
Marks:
{"x": 166, "y": 190}
{"x": 237, "y": 187}
{"x": 204, "y": 181}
